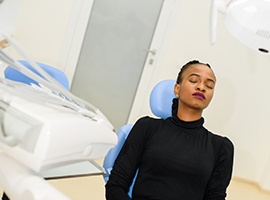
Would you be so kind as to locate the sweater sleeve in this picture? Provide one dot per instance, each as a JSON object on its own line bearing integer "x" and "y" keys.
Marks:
{"x": 221, "y": 176}
{"x": 127, "y": 162}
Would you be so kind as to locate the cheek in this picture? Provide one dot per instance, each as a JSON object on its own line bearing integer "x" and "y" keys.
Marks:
{"x": 210, "y": 95}
{"x": 185, "y": 92}
{"x": 187, "y": 89}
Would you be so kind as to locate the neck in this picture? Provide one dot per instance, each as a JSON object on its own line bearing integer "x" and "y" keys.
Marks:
{"x": 189, "y": 114}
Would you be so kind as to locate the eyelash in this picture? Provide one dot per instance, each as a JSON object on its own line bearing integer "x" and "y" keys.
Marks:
{"x": 195, "y": 81}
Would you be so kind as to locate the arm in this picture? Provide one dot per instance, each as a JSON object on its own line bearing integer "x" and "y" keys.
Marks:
{"x": 127, "y": 162}
{"x": 221, "y": 176}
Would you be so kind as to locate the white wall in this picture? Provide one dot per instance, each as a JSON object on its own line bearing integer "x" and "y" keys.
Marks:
{"x": 240, "y": 108}
{"x": 41, "y": 29}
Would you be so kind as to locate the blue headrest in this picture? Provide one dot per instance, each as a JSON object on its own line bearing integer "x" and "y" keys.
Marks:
{"x": 161, "y": 98}
{"x": 15, "y": 75}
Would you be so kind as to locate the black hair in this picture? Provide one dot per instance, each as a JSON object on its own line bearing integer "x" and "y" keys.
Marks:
{"x": 185, "y": 66}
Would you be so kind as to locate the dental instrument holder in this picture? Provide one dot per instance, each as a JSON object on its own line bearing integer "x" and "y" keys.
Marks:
{"x": 47, "y": 126}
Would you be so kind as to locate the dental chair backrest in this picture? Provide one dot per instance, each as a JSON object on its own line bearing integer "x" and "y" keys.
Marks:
{"x": 13, "y": 74}
{"x": 160, "y": 104}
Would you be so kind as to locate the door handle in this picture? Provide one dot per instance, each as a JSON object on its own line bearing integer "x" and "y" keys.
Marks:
{"x": 153, "y": 51}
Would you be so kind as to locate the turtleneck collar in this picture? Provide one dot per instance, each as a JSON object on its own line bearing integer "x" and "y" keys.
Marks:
{"x": 193, "y": 124}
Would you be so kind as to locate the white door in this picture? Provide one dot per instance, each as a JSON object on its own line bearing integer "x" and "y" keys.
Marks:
{"x": 121, "y": 43}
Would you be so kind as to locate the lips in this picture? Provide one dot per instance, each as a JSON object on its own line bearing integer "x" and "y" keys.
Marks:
{"x": 198, "y": 95}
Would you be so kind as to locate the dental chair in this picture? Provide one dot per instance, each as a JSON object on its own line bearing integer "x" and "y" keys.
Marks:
{"x": 160, "y": 104}
{"x": 12, "y": 74}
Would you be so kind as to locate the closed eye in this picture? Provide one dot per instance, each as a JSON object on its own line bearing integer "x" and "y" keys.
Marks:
{"x": 193, "y": 80}
{"x": 210, "y": 87}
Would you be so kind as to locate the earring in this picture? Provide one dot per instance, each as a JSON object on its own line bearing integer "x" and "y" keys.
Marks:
{"x": 177, "y": 95}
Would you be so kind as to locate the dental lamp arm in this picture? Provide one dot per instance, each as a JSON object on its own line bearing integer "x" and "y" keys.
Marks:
{"x": 215, "y": 7}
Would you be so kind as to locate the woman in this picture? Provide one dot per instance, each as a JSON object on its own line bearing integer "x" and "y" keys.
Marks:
{"x": 177, "y": 158}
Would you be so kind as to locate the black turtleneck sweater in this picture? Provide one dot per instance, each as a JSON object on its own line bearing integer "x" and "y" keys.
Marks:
{"x": 177, "y": 160}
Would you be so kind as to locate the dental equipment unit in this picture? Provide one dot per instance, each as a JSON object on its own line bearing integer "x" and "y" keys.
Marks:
{"x": 43, "y": 127}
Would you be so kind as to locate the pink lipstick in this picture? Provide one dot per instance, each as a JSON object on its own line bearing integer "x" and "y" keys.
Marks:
{"x": 199, "y": 95}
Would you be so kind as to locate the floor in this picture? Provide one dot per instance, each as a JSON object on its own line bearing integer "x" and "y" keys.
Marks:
{"x": 92, "y": 188}
{"x": 86, "y": 189}
{"x": 241, "y": 190}
{"x": 238, "y": 190}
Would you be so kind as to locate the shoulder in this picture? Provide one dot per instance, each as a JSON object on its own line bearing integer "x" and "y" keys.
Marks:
{"x": 223, "y": 145}
{"x": 228, "y": 143}
{"x": 225, "y": 142}
{"x": 221, "y": 140}
{"x": 148, "y": 124}
{"x": 227, "y": 147}
{"x": 142, "y": 129}
{"x": 146, "y": 120}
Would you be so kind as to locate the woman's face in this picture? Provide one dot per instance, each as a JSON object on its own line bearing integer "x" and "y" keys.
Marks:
{"x": 197, "y": 87}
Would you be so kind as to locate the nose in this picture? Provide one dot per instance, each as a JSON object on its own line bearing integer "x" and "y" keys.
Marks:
{"x": 201, "y": 87}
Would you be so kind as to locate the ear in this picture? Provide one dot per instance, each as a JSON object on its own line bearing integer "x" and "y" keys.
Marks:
{"x": 176, "y": 90}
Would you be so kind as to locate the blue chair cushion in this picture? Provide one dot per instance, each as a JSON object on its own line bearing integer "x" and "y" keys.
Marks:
{"x": 13, "y": 74}
{"x": 161, "y": 98}
{"x": 108, "y": 162}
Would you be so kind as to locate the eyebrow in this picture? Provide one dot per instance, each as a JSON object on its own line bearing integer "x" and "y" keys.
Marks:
{"x": 209, "y": 79}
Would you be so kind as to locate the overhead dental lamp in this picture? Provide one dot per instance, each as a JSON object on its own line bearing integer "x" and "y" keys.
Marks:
{"x": 246, "y": 20}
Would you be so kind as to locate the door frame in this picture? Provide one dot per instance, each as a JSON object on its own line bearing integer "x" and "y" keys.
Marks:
{"x": 75, "y": 36}
{"x": 160, "y": 40}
